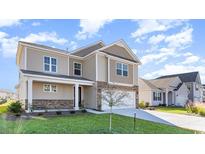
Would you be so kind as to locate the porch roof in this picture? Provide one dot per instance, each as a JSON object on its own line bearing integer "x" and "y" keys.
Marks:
{"x": 54, "y": 75}
{"x": 42, "y": 76}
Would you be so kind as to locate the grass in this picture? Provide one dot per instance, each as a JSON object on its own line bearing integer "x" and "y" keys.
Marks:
{"x": 170, "y": 109}
{"x": 86, "y": 124}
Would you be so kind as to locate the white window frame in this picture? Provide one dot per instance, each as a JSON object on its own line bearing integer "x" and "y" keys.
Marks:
{"x": 122, "y": 64}
{"x": 157, "y": 95}
{"x": 50, "y": 88}
{"x": 50, "y": 64}
{"x": 81, "y": 67}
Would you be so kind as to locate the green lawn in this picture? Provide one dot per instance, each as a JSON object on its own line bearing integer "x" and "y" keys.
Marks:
{"x": 86, "y": 124}
{"x": 170, "y": 109}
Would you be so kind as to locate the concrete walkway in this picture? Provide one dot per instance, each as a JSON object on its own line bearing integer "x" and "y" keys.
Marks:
{"x": 184, "y": 121}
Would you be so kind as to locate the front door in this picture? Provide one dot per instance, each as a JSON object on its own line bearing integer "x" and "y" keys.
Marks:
{"x": 79, "y": 96}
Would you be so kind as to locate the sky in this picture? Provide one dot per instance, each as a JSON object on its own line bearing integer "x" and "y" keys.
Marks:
{"x": 163, "y": 46}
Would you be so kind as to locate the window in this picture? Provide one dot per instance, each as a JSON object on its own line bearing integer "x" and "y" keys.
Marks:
{"x": 46, "y": 88}
{"x": 119, "y": 69}
{"x": 50, "y": 64}
{"x": 197, "y": 87}
{"x": 157, "y": 96}
{"x": 77, "y": 69}
{"x": 49, "y": 88}
{"x": 122, "y": 69}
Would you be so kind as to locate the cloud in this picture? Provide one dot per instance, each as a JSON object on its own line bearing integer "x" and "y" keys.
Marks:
{"x": 155, "y": 39}
{"x": 174, "y": 69}
{"x": 45, "y": 37}
{"x": 89, "y": 28}
{"x": 157, "y": 57}
{"x": 9, "y": 22}
{"x": 8, "y": 45}
{"x": 181, "y": 39}
{"x": 72, "y": 45}
{"x": 36, "y": 24}
{"x": 150, "y": 26}
{"x": 190, "y": 58}
{"x": 170, "y": 45}
{"x": 2, "y": 35}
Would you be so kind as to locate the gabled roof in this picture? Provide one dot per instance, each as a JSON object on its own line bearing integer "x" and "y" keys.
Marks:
{"x": 184, "y": 77}
{"x": 149, "y": 84}
{"x": 123, "y": 44}
{"x": 44, "y": 46}
{"x": 84, "y": 51}
{"x": 163, "y": 82}
{"x": 88, "y": 49}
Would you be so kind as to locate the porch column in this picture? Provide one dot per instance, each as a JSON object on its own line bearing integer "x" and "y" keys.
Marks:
{"x": 76, "y": 97}
{"x": 166, "y": 95}
{"x": 30, "y": 92}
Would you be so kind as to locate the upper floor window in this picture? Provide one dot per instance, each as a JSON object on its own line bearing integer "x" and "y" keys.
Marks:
{"x": 157, "y": 96}
{"x": 50, "y": 64}
{"x": 122, "y": 69}
{"x": 77, "y": 69}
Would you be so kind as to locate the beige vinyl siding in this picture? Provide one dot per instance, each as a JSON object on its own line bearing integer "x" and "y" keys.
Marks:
{"x": 71, "y": 61}
{"x": 22, "y": 61}
{"x": 35, "y": 60}
{"x": 102, "y": 68}
{"x": 118, "y": 51}
{"x": 145, "y": 95}
{"x": 90, "y": 97}
{"x": 118, "y": 78}
{"x": 64, "y": 92}
{"x": 89, "y": 68}
{"x": 145, "y": 92}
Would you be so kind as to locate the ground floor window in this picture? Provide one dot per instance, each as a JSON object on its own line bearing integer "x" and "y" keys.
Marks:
{"x": 157, "y": 96}
{"x": 49, "y": 88}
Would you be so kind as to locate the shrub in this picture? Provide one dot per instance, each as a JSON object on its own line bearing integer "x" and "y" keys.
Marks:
{"x": 15, "y": 107}
{"x": 142, "y": 105}
{"x": 191, "y": 107}
{"x": 58, "y": 112}
{"x": 3, "y": 100}
{"x": 201, "y": 109}
{"x": 196, "y": 108}
{"x": 72, "y": 112}
{"x": 147, "y": 104}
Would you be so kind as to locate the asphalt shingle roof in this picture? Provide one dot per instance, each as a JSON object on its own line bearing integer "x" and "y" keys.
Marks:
{"x": 184, "y": 77}
{"x": 85, "y": 51}
{"x": 163, "y": 82}
{"x": 46, "y": 47}
{"x": 54, "y": 75}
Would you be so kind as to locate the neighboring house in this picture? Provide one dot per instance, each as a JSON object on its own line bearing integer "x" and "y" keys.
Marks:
{"x": 203, "y": 94}
{"x": 55, "y": 79}
{"x": 193, "y": 83}
{"x": 167, "y": 91}
{"x": 7, "y": 94}
{"x": 171, "y": 89}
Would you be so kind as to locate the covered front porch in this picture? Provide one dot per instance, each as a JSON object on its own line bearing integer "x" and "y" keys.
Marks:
{"x": 46, "y": 94}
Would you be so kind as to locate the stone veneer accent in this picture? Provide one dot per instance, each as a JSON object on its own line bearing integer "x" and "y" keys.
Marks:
{"x": 104, "y": 85}
{"x": 41, "y": 104}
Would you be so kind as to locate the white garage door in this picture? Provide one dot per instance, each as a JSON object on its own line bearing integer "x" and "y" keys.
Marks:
{"x": 128, "y": 102}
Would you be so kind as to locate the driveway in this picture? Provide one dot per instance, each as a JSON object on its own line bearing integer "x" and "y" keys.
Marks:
{"x": 184, "y": 121}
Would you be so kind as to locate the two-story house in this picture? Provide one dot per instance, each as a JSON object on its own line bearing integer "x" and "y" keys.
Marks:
{"x": 55, "y": 79}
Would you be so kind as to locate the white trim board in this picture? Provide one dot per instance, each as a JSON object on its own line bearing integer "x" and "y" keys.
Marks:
{"x": 58, "y": 80}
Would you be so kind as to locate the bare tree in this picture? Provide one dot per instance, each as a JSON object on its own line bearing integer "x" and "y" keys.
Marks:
{"x": 113, "y": 98}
